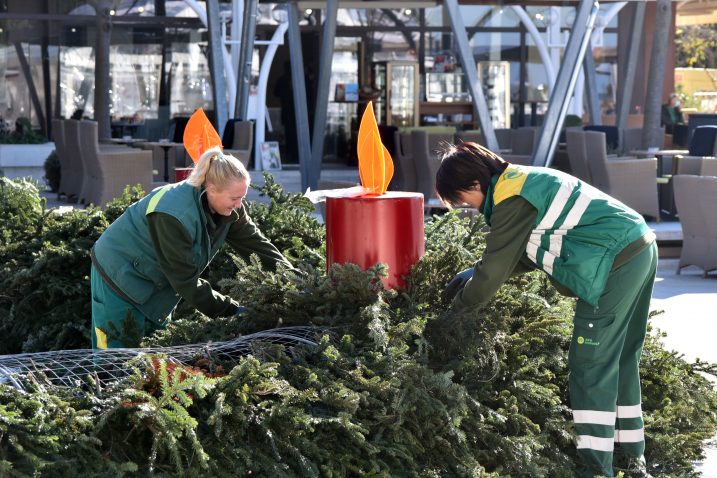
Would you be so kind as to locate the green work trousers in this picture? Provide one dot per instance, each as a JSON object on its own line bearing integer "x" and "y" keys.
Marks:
{"x": 604, "y": 362}
{"x": 115, "y": 322}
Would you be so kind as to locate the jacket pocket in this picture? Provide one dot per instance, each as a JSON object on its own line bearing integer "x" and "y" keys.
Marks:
{"x": 135, "y": 285}
{"x": 589, "y": 342}
{"x": 150, "y": 272}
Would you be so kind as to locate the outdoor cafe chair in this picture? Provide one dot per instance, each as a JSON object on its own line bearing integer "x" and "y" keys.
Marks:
{"x": 73, "y": 177}
{"x": 630, "y": 180}
{"x": 110, "y": 171}
{"x": 695, "y": 198}
{"x": 426, "y": 150}
{"x": 238, "y": 139}
{"x": 404, "y": 162}
{"x": 67, "y": 177}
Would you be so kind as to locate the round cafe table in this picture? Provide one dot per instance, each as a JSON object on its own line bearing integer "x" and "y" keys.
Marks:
{"x": 166, "y": 146}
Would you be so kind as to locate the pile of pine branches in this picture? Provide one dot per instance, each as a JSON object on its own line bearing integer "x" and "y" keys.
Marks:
{"x": 398, "y": 385}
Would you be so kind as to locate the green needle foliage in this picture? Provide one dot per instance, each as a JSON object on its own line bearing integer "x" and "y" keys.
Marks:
{"x": 45, "y": 269}
{"x": 398, "y": 385}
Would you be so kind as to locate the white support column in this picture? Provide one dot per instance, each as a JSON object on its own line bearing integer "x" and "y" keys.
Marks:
{"x": 565, "y": 84}
{"x": 539, "y": 44}
{"x": 237, "y": 9}
{"x": 260, "y": 126}
{"x": 229, "y": 76}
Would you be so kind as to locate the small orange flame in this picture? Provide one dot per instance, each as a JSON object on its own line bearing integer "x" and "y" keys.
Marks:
{"x": 375, "y": 163}
{"x": 200, "y": 135}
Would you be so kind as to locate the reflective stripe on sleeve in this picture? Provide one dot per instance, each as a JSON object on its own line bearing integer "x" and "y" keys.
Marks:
{"x": 595, "y": 417}
{"x": 595, "y": 443}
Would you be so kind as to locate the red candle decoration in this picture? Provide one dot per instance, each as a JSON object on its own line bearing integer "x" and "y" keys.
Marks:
{"x": 378, "y": 226}
{"x": 182, "y": 173}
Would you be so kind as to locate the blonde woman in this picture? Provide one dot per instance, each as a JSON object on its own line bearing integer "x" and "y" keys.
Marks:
{"x": 153, "y": 255}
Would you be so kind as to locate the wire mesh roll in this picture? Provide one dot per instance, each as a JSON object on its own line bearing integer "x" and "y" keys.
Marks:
{"x": 67, "y": 368}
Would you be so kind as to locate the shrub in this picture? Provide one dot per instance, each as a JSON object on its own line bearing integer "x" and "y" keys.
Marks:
{"x": 23, "y": 134}
{"x": 53, "y": 171}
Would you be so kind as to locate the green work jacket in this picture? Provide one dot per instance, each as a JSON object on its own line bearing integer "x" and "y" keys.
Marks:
{"x": 156, "y": 251}
{"x": 578, "y": 230}
{"x": 542, "y": 218}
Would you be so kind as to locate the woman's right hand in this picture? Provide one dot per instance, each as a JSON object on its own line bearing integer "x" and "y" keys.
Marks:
{"x": 456, "y": 284}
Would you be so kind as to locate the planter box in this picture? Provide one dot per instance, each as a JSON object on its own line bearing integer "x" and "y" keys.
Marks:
{"x": 22, "y": 160}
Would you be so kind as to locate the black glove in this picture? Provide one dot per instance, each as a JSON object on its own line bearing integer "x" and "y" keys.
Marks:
{"x": 456, "y": 284}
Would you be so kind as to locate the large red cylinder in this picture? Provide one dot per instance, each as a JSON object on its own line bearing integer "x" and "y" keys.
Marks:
{"x": 367, "y": 230}
{"x": 182, "y": 173}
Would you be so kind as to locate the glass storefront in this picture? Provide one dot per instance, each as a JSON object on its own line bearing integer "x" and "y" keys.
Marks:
{"x": 160, "y": 70}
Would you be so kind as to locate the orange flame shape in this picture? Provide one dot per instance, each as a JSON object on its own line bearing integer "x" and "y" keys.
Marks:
{"x": 200, "y": 135}
{"x": 375, "y": 163}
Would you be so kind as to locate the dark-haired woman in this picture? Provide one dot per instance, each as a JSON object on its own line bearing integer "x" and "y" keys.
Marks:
{"x": 156, "y": 251}
{"x": 593, "y": 247}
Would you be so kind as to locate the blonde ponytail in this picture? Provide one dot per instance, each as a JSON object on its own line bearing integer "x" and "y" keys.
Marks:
{"x": 218, "y": 169}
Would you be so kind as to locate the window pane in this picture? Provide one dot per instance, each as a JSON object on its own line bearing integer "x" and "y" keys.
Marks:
{"x": 77, "y": 79}
{"x": 135, "y": 72}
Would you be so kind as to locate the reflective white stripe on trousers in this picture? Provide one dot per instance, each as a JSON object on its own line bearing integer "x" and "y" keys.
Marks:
{"x": 594, "y": 416}
{"x": 595, "y": 443}
{"x": 630, "y": 436}
{"x": 629, "y": 411}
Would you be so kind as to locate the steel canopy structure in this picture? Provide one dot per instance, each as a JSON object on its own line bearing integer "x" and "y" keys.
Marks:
{"x": 225, "y": 76}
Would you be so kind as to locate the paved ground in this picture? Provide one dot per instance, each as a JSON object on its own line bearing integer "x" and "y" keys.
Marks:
{"x": 689, "y": 300}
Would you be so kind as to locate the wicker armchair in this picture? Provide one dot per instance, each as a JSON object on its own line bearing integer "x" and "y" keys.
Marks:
{"x": 700, "y": 155}
{"x": 426, "y": 147}
{"x": 67, "y": 176}
{"x": 522, "y": 144}
{"x": 470, "y": 136}
{"x": 112, "y": 170}
{"x": 577, "y": 156}
{"x": 630, "y": 180}
{"x": 631, "y": 139}
{"x": 695, "y": 197}
{"x": 238, "y": 139}
{"x": 404, "y": 162}
{"x": 73, "y": 176}
{"x": 176, "y": 154}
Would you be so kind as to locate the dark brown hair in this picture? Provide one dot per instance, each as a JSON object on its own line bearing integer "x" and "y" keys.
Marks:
{"x": 462, "y": 166}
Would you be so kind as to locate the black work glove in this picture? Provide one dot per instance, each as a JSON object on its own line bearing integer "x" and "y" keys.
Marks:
{"x": 456, "y": 284}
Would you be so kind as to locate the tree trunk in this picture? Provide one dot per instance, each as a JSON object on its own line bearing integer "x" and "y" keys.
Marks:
{"x": 656, "y": 73}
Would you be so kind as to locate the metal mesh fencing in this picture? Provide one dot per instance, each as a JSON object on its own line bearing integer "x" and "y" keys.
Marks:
{"x": 68, "y": 368}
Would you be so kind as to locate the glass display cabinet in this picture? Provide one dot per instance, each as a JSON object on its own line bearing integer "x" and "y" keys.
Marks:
{"x": 446, "y": 87}
{"x": 397, "y": 85}
{"x": 448, "y": 102}
{"x": 494, "y": 76}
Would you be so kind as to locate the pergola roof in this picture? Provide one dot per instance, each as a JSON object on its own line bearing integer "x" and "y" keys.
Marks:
{"x": 696, "y": 12}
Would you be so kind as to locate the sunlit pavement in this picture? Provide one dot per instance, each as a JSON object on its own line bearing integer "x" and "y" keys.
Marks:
{"x": 689, "y": 302}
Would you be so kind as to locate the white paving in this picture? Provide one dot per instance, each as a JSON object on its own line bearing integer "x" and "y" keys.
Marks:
{"x": 690, "y": 321}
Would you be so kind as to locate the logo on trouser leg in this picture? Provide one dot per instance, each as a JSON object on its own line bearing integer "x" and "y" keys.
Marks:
{"x": 583, "y": 341}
